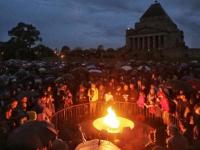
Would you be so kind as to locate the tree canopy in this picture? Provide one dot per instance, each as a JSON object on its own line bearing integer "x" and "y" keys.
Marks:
{"x": 25, "y": 44}
{"x": 24, "y": 35}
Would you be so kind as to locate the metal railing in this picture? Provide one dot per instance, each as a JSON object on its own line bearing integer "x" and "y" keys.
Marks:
{"x": 78, "y": 113}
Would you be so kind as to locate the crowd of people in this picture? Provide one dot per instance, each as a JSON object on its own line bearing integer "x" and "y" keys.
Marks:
{"x": 152, "y": 89}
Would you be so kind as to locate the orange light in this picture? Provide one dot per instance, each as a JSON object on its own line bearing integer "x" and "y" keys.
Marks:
{"x": 62, "y": 56}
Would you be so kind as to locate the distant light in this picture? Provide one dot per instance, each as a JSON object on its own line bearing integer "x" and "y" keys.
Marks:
{"x": 25, "y": 29}
{"x": 62, "y": 56}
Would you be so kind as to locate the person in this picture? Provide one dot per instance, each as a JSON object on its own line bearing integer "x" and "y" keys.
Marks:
{"x": 176, "y": 140}
{"x": 81, "y": 95}
{"x": 83, "y": 135}
{"x": 164, "y": 104}
{"x": 141, "y": 99}
{"x": 49, "y": 90}
{"x": 151, "y": 99}
{"x": 109, "y": 99}
{"x": 32, "y": 116}
{"x": 186, "y": 130}
{"x": 68, "y": 99}
{"x": 196, "y": 138}
{"x": 139, "y": 85}
{"x": 125, "y": 93}
{"x": 50, "y": 103}
{"x": 102, "y": 92}
{"x": 150, "y": 143}
{"x": 118, "y": 93}
{"x": 156, "y": 140}
{"x": 93, "y": 97}
{"x": 24, "y": 100}
{"x": 111, "y": 86}
{"x": 8, "y": 113}
{"x": 181, "y": 105}
{"x": 133, "y": 93}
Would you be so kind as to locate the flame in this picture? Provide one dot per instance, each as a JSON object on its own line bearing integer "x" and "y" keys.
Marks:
{"x": 112, "y": 123}
{"x": 111, "y": 119}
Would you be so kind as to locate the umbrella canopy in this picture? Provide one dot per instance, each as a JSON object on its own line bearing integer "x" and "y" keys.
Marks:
{"x": 68, "y": 76}
{"x": 195, "y": 83}
{"x": 92, "y": 66}
{"x": 26, "y": 141}
{"x": 42, "y": 70}
{"x": 126, "y": 68}
{"x": 27, "y": 94}
{"x": 58, "y": 79}
{"x": 97, "y": 144}
{"x": 49, "y": 79}
{"x": 59, "y": 144}
{"x": 144, "y": 68}
{"x": 177, "y": 85}
{"x": 31, "y": 135}
{"x": 21, "y": 73}
{"x": 95, "y": 71}
{"x": 80, "y": 73}
{"x": 4, "y": 79}
{"x": 78, "y": 69}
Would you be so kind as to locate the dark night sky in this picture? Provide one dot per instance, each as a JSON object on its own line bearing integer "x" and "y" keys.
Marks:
{"x": 88, "y": 23}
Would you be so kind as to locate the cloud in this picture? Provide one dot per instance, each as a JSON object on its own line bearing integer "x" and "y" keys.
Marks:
{"x": 88, "y": 23}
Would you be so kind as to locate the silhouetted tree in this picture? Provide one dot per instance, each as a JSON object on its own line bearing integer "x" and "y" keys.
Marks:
{"x": 100, "y": 47}
{"x": 41, "y": 51}
{"x": 23, "y": 38}
{"x": 24, "y": 35}
{"x": 65, "y": 51}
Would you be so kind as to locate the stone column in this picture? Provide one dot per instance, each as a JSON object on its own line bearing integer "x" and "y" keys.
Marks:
{"x": 159, "y": 42}
{"x": 133, "y": 43}
{"x": 138, "y": 42}
{"x": 151, "y": 42}
{"x": 148, "y": 42}
{"x": 164, "y": 42}
{"x": 143, "y": 43}
{"x": 129, "y": 41}
{"x": 154, "y": 42}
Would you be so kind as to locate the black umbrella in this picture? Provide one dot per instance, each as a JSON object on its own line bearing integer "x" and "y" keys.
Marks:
{"x": 28, "y": 94}
{"x": 80, "y": 73}
{"x": 177, "y": 85}
{"x": 31, "y": 135}
{"x": 49, "y": 79}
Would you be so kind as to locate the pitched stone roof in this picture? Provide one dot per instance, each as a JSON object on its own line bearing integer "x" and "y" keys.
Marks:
{"x": 156, "y": 17}
{"x": 155, "y": 10}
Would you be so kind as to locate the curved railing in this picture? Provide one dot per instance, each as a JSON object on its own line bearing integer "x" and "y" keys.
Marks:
{"x": 78, "y": 113}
